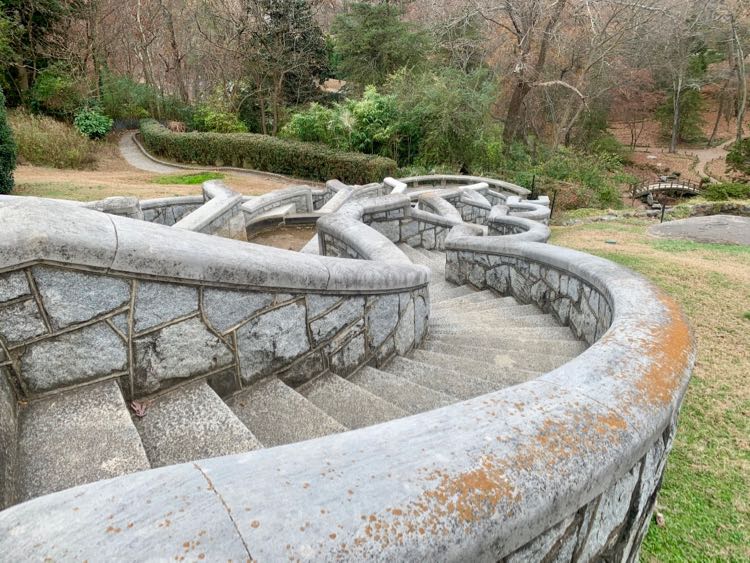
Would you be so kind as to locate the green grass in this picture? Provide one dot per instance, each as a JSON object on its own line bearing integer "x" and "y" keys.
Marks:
{"x": 705, "y": 495}
{"x": 689, "y": 246}
{"x": 61, "y": 190}
{"x": 188, "y": 179}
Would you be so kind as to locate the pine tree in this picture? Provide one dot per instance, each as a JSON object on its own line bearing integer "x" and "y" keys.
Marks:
{"x": 8, "y": 150}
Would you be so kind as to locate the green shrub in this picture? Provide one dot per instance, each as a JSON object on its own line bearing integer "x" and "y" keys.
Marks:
{"x": 261, "y": 152}
{"x": 122, "y": 98}
{"x": 92, "y": 123}
{"x": 723, "y": 192}
{"x": 738, "y": 158}
{"x": 47, "y": 142}
{"x": 210, "y": 120}
{"x": 58, "y": 92}
{"x": 8, "y": 150}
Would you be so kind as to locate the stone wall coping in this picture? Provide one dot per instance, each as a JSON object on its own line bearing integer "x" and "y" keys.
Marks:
{"x": 398, "y": 187}
{"x": 433, "y": 218}
{"x": 367, "y": 191}
{"x": 213, "y": 189}
{"x": 169, "y": 201}
{"x": 524, "y": 208}
{"x": 219, "y": 199}
{"x": 278, "y": 198}
{"x": 346, "y": 225}
{"x": 38, "y": 230}
{"x": 499, "y": 184}
{"x": 470, "y": 196}
{"x": 516, "y": 461}
{"x": 533, "y": 231}
{"x": 339, "y": 198}
{"x": 441, "y": 206}
{"x": 336, "y": 186}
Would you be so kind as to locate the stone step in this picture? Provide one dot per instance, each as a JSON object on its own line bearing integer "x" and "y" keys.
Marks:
{"x": 444, "y": 292}
{"x": 75, "y": 438}
{"x": 348, "y": 403}
{"x": 510, "y": 341}
{"x": 478, "y": 299}
{"x": 494, "y": 320}
{"x": 276, "y": 414}
{"x": 524, "y": 333}
{"x": 435, "y": 256}
{"x": 506, "y": 310}
{"x": 417, "y": 257}
{"x": 408, "y": 396}
{"x": 192, "y": 423}
{"x": 459, "y": 385}
{"x": 511, "y": 359}
{"x": 499, "y": 376}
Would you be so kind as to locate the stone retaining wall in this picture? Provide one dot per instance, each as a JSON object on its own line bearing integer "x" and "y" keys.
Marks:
{"x": 452, "y": 180}
{"x": 169, "y": 210}
{"x": 155, "y": 306}
{"x": 562, "y": 467}
{"x": 499, "y": 223}
{"x": 299, "y": 196}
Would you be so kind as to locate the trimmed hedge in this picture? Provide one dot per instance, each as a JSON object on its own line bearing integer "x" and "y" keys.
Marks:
{"x": 8, "y": 150}
{"x": 261, "y": 152}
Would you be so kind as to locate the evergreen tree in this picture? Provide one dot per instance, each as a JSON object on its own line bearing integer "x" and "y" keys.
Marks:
{"x": 8, "y": 150}
{"x": 372, "y": 43}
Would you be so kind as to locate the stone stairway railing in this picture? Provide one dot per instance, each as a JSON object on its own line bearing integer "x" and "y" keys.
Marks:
{"x": 565, "y": 465}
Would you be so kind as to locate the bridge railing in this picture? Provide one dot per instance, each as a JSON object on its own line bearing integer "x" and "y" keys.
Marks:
{"x": 641, "y": 189}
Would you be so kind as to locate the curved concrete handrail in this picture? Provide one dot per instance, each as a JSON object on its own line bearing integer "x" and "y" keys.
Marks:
{"x": 516, "y": 462}
{"x": 169, "y": 201}
{"x": 452, "y": 179}
{"x": 439, "y": 206}
{"x": 346, "y": 226}
{"x": 35, "y": 230}
{"x": 397, "y": 186}
{"x": 219, "y": 198}
{"x": 263, "y": 203}
{"x": 527, "y": 210}
{"x": 514, "y": 228}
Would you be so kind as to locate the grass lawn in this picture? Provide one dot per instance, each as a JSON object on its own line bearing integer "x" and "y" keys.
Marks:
{"x": 188, "y": 179}
{"x": 705, "y": 497}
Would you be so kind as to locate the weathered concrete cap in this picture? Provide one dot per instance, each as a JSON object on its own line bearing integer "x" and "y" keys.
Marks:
{"x": 517, "y": 462}
{"x": 39, "y": 230}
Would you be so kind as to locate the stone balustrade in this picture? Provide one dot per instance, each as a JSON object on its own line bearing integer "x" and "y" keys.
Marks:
{"x": 562, "y": 467}
{"x": 565, "y": 466}
{"x": 85, "y": 297}
{"x": 512, "y": 228}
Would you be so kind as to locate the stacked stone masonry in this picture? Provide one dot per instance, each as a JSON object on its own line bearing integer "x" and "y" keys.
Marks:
{"x": 564, "y": 467}
{"x": 152, "y": 335}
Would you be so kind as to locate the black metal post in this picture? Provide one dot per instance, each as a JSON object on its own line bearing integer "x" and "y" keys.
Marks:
{"x": 552, "y": 203}
{"x": 663, "y": 209}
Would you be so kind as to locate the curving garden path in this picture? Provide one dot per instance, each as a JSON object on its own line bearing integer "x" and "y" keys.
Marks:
{"x": 137, "y": 157}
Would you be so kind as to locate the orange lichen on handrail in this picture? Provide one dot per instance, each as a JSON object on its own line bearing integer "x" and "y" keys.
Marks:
{"x": 671, "y": 350}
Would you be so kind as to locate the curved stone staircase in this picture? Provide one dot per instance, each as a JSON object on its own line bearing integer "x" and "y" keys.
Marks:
{"x": 478, "y": 342}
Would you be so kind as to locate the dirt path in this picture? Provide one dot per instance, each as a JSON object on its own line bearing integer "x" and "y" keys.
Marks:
{"x": 114, "y": 175}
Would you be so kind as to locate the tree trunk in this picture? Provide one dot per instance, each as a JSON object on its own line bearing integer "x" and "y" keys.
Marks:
{"x": 511, "y": 131}
{"x": 176, "y": 56}
{"x": 741, "y": 82}
{"x": 676, "y": 98}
